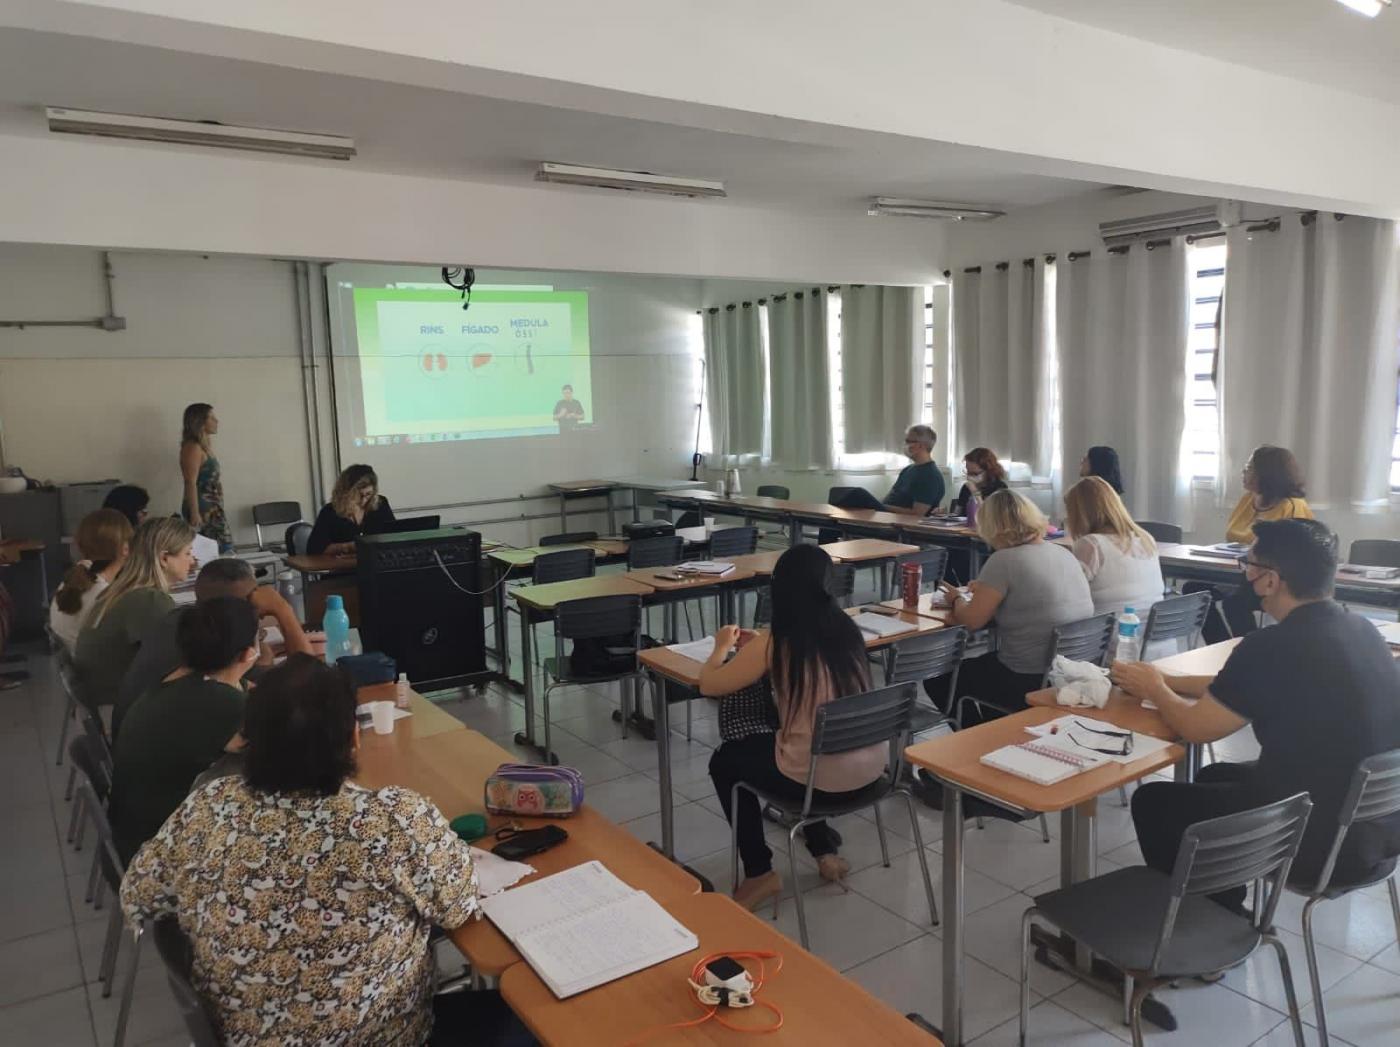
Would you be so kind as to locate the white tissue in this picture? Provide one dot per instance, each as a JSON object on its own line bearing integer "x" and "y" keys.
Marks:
{"x": 1080, "y": 684}
{"x": 494, "y": 873}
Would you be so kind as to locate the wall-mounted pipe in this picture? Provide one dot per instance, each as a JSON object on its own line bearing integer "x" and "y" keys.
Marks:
{"x": 110, "y": 322}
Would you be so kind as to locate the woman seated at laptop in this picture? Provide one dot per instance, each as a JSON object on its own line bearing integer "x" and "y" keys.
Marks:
{"x": 356, "y": 507}
{"x": 813, "y": 654}
{"x": 308, "y": 899}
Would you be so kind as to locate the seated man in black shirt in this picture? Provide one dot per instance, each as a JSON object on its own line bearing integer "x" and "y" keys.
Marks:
{"x": 917, "y": 491}
{"x": 1322, "y": 692}
{"x": 356, "y": 507}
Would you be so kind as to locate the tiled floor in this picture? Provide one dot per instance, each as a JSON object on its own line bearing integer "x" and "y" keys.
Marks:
{"x": 878, "y": 932}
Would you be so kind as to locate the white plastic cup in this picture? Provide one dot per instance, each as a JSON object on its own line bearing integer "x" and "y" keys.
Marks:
{"x": 709, "y": 525}
{"x": 383, "y": 715}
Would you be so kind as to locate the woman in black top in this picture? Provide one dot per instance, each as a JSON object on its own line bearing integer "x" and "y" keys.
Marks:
{"x": 985, "y": 477}
{"x": 1103, "y": 462}
{"x": 356, "y": 507}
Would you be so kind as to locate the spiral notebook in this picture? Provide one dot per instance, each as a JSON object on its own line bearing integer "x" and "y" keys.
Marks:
{"x": 584, "y": 927}
{"x": 1042, "y": 761}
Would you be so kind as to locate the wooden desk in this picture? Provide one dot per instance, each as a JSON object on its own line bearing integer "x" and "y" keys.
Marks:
{"x": 866, "y": 551}
{"x": 323, "y": 576}
{"x": 819, "y": 1005}
{"x": 567, "y": 489}
{"x": 537, "y": 604}
{"x": 427, "y": 720}
{"x": 955, "y": 760}
{"x": 450, "y": 768}
{"x": 1188, "y": 562}
{"x": 926, "y": 607}
{"x": 757, "y": 564}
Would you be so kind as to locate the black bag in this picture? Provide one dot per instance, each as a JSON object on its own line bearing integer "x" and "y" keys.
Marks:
{"x": 750, "y": 710}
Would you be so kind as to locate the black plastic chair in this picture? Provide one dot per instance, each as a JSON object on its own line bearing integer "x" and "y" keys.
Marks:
{"x": 1374, "y": 793}
{"x": 1162, "y": 532}
{"x": 566, "y": 565}
{"x": 1157, "y": 927}
{"x": 177, "y": 954}
{"x": 773, "y": 491}
{"x": 568, "y": 538}
{"x": 296, "y": 537}
{"x": 934, "y": 561}
{"x": 733, "y": 541}
{"x": 932, "y": 656}
{"x": 841, "y": 582}
{"x": 1375, "y": 552}
{"x": 272, "y": 513}
{"x": 1175, "y": 618}
{"x": 877, "y": 717}
{"x": 665, "y": 551}
{"x": 617, "y": 618}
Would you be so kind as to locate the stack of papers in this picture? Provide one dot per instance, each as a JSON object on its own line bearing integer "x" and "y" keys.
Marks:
{"x": 882, "y": 625}
{"x": 1375, "y": 574}
{"x": 705, "y": 567}
{"x": 1390, "y": 631}
{"x": 1224, "y": 550}
{"x": 700, "y": 650}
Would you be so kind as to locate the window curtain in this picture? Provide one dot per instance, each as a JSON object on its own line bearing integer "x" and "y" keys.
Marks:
{"x": 882, "y": 365}
{"x": 1001, "y": 377}
{"x": 800, "y": 380}
{"x": 1308, "y": 357}
{"x": 734, "y": 380}
{"x": 1121, "y": 323}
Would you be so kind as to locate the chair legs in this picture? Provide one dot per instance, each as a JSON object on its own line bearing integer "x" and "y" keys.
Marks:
{"x": 1394, "y": 903}
{"x": 797, "y": 887}
{"x": 923, "y": 855}
{"x": 1310, "y": 948}
{"x": 1287, "y": 972}
{"x": 68, "y": 711}
{"x": 1025, "y": 1008}
{"x": 128, "y": 990}
{"x": 880, "y": 832}
{"x": 1044, "y": 830}
{"x": 1135, "y": 1011}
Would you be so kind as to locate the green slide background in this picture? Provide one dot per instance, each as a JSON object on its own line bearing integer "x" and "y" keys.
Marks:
{"x": 509, "y": 380}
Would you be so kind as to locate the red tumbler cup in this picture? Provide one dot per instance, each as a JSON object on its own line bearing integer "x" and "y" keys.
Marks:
{"x": 911, "y": 576}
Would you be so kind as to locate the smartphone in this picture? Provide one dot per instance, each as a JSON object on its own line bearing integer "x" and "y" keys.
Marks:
{"x": 669, "y": 576}
{"x": 532, "y": 841}
{"x": 876, "y": 608}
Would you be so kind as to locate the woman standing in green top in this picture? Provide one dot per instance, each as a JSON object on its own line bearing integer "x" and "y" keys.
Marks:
{"x": 203, "y": 503}
{"x": 139, "y": 596}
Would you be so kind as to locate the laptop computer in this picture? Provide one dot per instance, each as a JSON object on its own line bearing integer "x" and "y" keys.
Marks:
{"x": 413, "y": 523}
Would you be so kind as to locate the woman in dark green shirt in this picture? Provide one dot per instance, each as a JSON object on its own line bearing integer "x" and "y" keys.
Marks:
{"x": 138, "y": 597}
{"x": 182, "y": 725}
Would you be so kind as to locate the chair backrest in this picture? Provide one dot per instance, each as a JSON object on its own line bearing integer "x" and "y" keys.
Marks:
{"x": 108, "y": 861}
{"x": 1175, "y": 617}
{"x": 177, "y": 954}
{"x": 563, "y": 566}
{"x": 934, "y": 560}
{"x": 598, "y": 616}
{"x": 835, "y": 494}
{"x": 655, "y": 552}
{"x": 841, "y": 581}
{"x": 1374, "y": 793}
{"x": 928, "y": 657}
{"x": 72, "y": 679}
{"x": 733, "y": 541}
{"x": 883, "y": 715}
{"x": 1235, "y": 851}
{"x": 568, "y": 538}
{"x": 773, "y": 491}
{"x": 270, "y": 513}
{"x": 1086, "y": 640}
{"x": 1162, "y": 532}
{"x": 296, "y": 538}
{"x": 87, "y": 759}
{"x": 1375, "y": 552}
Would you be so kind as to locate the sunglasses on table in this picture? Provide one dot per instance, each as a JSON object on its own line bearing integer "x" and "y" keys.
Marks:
{"x": 1110, "y": 742}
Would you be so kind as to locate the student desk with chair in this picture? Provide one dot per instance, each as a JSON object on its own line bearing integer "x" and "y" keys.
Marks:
{"x": 955, "y": 761}
{"x": 666, "y": 667}
{"x": 1198, "y": 563}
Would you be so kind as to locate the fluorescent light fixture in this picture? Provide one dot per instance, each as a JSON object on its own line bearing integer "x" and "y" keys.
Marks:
{"x": 892, "y": 205}
{"x": 641, "y": 181}
{"x": 195, "y": 132}
{"x": 1369, "y": 8}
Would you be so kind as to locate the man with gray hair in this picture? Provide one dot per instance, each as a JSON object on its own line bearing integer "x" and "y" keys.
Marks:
{"x": 919, "y": 487}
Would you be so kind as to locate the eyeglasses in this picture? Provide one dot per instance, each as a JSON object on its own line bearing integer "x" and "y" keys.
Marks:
{"x": 1248, "y": 563}
{"x": 1122, "y": 744}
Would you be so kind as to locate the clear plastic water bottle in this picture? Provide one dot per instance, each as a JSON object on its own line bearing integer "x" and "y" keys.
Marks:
{"x": 1129, "y": 642}
{"x": 336, "y": 624}
{"x": 289, "y": 585}
{"x": 401, "y": 691}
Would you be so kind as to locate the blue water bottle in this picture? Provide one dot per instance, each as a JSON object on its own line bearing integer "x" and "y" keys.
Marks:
{"x": 1129, "y": 642}
{"x": 336, "y": 623}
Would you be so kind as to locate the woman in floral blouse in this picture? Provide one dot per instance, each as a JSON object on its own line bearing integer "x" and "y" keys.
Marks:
{"x": 309, "y": 899}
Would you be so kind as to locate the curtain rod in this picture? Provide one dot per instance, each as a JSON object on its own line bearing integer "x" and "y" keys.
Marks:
{"x": 1074, "y": 256}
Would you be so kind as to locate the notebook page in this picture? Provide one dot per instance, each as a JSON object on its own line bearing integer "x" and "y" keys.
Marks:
{"x": 521, "y": 910}
{"x": 601, "y": 945}
{"x": 881, "y": 625}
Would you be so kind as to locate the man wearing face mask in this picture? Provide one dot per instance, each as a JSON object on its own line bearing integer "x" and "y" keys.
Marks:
{"x": 1322, "y": 692}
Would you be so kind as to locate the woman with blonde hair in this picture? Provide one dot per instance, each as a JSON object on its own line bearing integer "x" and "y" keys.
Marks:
{"x": 1028, "y": 587}
{"x": 103, "y": 541}
{"x": 356, "y": 507}
{"x": 1119, "y": 558}
{"x": 203, "y": 502}
{"x": 138, "y": 598}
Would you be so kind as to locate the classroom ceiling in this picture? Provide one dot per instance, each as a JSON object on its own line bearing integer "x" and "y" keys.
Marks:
{"x": 442, "y": 134}
{"x": 1318, "y": 41}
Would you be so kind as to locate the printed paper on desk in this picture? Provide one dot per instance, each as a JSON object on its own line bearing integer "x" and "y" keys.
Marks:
{"x": 399, "y": 714}
{"x": 1390, "y": 631}
{"x": 204, "y": 549}
{"x": 697, "y": 650}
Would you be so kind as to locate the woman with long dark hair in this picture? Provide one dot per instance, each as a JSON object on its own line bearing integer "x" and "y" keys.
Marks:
{"x": 1102, "y": 461}
{"x": 813, "y": 653}
{"x": 203, "y": 501}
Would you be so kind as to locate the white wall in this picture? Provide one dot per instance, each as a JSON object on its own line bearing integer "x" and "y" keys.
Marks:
{"x": 82, "y": 404}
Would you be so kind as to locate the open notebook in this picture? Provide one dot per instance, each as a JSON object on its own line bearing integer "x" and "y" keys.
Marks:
{"x": 882, "y": 625}
{"x": 584, "y": 927}
{"x": 1043, "y": 761}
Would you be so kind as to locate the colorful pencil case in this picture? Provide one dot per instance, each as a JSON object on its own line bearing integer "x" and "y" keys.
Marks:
{"x": 534, "y": 791}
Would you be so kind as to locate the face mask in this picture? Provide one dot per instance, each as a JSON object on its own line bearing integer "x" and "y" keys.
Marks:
{"x": 975, "y": 481}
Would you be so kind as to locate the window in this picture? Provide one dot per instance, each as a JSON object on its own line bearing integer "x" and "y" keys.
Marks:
{"x": 1201, "y": 438}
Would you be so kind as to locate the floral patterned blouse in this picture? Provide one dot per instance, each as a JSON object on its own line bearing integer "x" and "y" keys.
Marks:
{"x": 309, "y": 915}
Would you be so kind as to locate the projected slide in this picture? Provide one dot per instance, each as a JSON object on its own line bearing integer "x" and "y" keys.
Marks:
{"x": 514, "y": 364}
